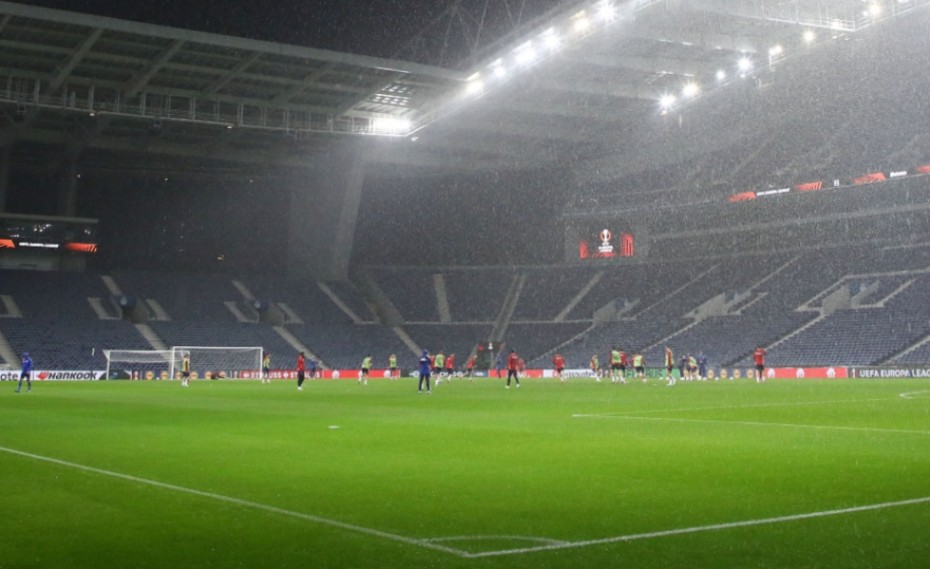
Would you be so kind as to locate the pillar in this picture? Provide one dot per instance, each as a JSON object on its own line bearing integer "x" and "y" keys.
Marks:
{"x": 323, "y": 216}
{"x": 67, "y": 184}
{"x": 4, "y": 175}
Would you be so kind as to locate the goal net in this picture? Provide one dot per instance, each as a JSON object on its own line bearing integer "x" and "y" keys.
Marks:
{"x": 205, "y": 362}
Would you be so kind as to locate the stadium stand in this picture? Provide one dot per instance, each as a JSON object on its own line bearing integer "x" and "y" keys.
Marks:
{"x": 645, "y": 284}
{"x": 534, "y": 340}
{"x": 70, "y": 344}
{"x": 918, "y": 356}
{"x": 416, "y": 303}
{"x": 459, "y": 339}
{"x": 352, "y": 298}
{"x": 548, "y": 291}
{"x": 344, "y": 345}
{"x": 54, "y": 295}
{"x": 861, "y": 336}
{"x": 825, "y": 306}
{"x": 477, "y": 295}
{"x": 307, "y": 300}
{"x": 183, "y": 296}
{"x": 232, "y": 334}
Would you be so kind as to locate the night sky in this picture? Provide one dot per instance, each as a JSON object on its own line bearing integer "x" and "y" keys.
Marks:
{"x": 382, "y": 28}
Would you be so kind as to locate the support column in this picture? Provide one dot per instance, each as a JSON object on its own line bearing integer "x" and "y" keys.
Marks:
{"x": 324, "y": 213}
{"x": 67, "y": 184}
{"x": 4, "y": 175}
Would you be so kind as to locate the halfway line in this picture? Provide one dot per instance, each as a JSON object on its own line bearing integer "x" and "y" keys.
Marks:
{"x": 244, "y": 503}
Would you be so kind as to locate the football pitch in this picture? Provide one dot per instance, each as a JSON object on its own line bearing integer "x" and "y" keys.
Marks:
{"x": 788, "y": 474}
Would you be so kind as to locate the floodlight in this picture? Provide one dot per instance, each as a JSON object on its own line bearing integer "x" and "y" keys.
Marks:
{"x": 721, "y": 75}
{"x": 497, "y": 69}
{"x": 474, "y": 87}
{"x": 875, "y": 10}
{"x": 690, "y": 89}
{"x": 525, "y": 54}
{"x": 582, "y": 23}
{"x": 606, "y": 11}
{"x": 744, "y": 64}
{"x": 551, "y": 40}
{"x": 809, "y": 36}
{"x": 390, "y": 125}
{"x": 776, "y": 50}
{"x": 666, "y": 101}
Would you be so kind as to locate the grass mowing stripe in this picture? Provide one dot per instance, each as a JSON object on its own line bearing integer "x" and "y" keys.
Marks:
{"x": 750, "y": 423}
{"x": 241, "y": 502}
{"x": 707, "y": 528}
{"x": 430, "y": 544}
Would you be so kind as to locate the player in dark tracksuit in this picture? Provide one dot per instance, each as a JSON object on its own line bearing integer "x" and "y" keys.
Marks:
{"x": 425, "y": 370}
{"x": 26, "y": 374}
{"x": 702, "y": 365}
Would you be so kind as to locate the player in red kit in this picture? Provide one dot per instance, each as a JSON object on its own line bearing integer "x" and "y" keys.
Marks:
{"x": 513, "y": 364}
{"x": 758, "y": 356}
{"x": 301, "y": 362}
{"x": 450, "y": 366}
{"x": 470, "y": 368}
{"x": 558, "y": 362}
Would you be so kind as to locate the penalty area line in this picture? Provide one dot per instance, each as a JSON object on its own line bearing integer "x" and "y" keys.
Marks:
{"x": 243, "y": 503}
{"x": 701, "y": 529}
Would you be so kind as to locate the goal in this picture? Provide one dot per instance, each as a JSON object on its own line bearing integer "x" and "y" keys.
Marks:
{"x": 206, "y": 361}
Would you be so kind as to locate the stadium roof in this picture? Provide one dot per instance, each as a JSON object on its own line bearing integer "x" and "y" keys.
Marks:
{"x": 571, "y": 84}
{"x": 136, "y": 81}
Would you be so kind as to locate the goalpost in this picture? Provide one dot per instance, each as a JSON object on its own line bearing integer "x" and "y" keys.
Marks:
{"x": 212, "y": 361}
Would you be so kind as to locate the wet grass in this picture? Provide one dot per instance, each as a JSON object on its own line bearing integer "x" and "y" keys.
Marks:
{"x": 239, "y": 474}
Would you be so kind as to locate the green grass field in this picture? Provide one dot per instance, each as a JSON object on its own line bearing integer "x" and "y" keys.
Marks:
{"x": 825, "y": 474}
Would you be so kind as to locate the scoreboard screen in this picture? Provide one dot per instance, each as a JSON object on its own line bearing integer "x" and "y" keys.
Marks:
{"x": 34, "y": 233}
{"x": 605, "y": 243}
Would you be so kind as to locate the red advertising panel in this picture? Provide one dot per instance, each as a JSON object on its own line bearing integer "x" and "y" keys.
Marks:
{"x": 81, "y": 247}
{"x": 627, "y": 246}
{"x": 806, "y": 372}
{"x": 583, "y": 250}
{"x": 743, "y": 196}
{"x": 870, "y": 178}
{"x": 809, "y": 187}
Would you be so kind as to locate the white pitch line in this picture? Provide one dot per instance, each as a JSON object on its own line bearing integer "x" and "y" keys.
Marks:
{"x": 244, "y": 503}
{"x": 908, "y": 395}
{"x": 755, "y": 405}
{"x": 545, "y": 540}
{"x": 752, "y": 423}
{"x": 700, "y": 529}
